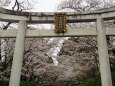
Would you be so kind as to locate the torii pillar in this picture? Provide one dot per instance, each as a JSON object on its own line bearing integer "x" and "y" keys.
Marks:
{"x": 103, "y": 54}
{"x": 18, "y": 55}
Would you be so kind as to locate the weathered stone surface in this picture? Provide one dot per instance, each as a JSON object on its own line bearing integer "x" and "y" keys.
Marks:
{"x": 48, "y": 17}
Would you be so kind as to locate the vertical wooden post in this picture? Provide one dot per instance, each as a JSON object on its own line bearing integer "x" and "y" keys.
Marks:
{"x": 103, "y": 54}
{"x": 18, "y": 55}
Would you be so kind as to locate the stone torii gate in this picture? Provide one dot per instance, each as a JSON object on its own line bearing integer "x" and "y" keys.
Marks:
{"x": 23, "y": 18}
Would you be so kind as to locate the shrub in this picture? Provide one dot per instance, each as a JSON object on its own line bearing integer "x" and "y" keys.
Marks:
{"x": 22, "y": 83}
{"x": 97, "y": 81}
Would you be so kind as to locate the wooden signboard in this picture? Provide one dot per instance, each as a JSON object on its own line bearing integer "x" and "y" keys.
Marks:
{"x": 60, "y": 22}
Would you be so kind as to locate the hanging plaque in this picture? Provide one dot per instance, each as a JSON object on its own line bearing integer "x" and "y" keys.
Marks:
{"x": 60, "y": 22}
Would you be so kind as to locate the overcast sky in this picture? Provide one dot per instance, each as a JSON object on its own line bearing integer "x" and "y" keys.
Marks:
{"x": 42, "y": 5}
{"x": 46, "y": 5}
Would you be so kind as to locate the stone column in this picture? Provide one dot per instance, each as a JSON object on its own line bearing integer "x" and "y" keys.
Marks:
{"x": 103, "y": 54}
{"x": 18, "y": 55}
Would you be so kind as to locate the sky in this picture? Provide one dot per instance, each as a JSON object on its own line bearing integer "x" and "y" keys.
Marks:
{"x": 42, "y": 5}
{"x": 46, "y": 5}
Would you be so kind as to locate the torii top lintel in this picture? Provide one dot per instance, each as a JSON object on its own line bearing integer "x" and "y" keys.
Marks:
{"x": 48, "y": 17}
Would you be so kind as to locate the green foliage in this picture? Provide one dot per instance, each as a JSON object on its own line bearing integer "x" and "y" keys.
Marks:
{"x": 113, "y": 78}
{"x": 97, "y": 81}
{"x": 28, "y": 84}
{"x": 91, "y": 82}
{"x": 23, "y": 83}
{"x": 4, "y": 83}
